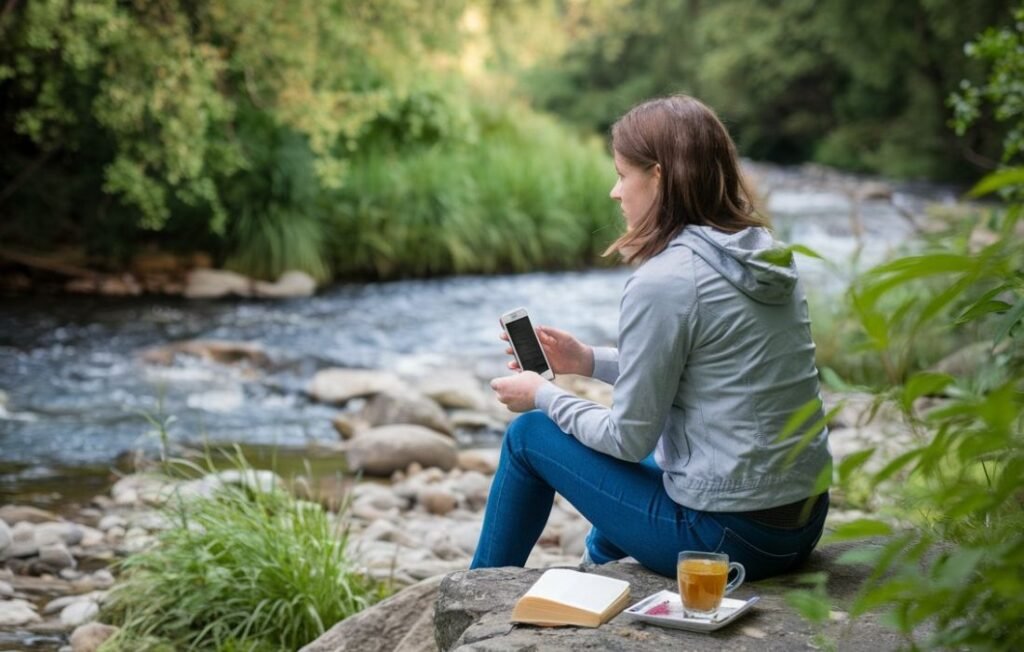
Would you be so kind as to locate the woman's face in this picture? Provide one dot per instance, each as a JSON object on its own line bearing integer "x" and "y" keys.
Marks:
{"x": 636, "y": 189}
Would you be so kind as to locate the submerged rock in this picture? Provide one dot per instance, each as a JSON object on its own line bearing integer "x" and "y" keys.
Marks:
{"x": 342, "y": 385}
{"x": 389, "y": 408}
{"x": 384, "y": 450}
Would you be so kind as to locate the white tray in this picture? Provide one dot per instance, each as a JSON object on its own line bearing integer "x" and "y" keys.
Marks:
{"x": 669, "y": 612}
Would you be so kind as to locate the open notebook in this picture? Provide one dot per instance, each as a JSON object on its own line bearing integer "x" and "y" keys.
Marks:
{"x": 567, "y": 597}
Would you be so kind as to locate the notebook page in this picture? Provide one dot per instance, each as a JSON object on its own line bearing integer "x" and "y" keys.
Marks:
{"x": 580, "y": 590}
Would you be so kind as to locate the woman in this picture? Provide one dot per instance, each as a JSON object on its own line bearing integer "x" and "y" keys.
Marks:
{"x": 715, "y": 355}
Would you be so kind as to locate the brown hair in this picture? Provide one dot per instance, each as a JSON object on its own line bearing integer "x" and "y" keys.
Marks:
{"x": 700, "y": 177}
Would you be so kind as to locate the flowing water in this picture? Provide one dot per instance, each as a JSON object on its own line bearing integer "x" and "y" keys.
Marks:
{"x": 75, "y": 391}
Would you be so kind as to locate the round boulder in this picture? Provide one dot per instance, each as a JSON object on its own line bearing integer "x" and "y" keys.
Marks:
{"x": 89, "y": 637}
{"x": 342, "y": 385}
{"x": 384, "y": 450}
{"x": 390, "y": 408}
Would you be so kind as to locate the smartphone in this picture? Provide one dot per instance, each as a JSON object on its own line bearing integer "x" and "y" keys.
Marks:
{"x": 527, "y": 349}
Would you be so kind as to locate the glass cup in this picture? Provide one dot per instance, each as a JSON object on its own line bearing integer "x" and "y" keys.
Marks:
{"x": 703, "y": 581}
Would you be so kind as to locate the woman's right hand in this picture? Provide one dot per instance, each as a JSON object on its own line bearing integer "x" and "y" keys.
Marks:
{"x": 566, "y": 354}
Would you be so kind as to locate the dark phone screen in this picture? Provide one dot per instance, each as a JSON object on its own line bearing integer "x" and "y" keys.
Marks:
{"x": 524, "y": 339}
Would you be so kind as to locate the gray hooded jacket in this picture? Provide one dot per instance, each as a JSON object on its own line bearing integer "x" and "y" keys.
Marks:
{"x": 715, "y": 355}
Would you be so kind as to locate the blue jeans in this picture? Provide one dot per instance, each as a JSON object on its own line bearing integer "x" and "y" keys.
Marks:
{"x": 631, "y": 513}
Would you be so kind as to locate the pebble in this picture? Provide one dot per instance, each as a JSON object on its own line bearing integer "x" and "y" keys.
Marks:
{"x": 79, "y": 613}
{"x": 90, "y": 636}
{"x": 17, "y": 613}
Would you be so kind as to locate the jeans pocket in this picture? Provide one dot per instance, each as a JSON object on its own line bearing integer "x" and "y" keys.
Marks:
{"x": 758, "y": 562}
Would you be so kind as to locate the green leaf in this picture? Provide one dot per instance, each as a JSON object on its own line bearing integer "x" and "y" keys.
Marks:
{"x": 860, "y": 529}
{"x": 997, "y": 181}
{"x": 811, "y": 605}
{"x": 780, "y": 256}
{"x": 806, "y": 251}
{"x": 854, "y": 461}
{"x": 921, "y": 384}
{"x": 897, "y": 464}
{"x": 1009, "y": 322}
{"x": 863, "y": 555}
{"x": 798, "y": 418}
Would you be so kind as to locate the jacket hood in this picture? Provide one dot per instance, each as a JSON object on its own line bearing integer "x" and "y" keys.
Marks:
{"x": 751, "y": 260}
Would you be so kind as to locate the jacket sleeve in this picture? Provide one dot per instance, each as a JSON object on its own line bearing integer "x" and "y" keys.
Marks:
{"x": 654, "y": 341}
{"x": 606, "y": 364}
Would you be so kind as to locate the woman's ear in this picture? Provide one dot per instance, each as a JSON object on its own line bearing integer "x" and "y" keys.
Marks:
{"x": 657, "y": 170}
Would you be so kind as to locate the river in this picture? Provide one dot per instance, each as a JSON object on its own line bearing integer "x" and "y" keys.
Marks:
{"x": 75, "y": 391}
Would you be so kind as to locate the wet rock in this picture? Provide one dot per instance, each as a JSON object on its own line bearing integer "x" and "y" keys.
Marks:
{"x": 48, "y": 534}
{"x": 91, "y": 537}
{"x": 403, "y": 623}
{"x": 134, "y": 490}
{"x": 341, "y": 385}
{"x": 219, "y": 351}
{"x": 348, "y": 425}
{"x": 89, "y": 637}
{"x": 474, "y": 488}
{"x": 473, "y": 420}
{"x": 14, "y": 514}
{"x": 874, "y": 190}
{"x": 56, "y": 557}
{"x": 111, "y": 521}
{"x": 6, "y": 538}
{"x": 290, "y": 284}
{"x": 482, "y": 460}
{"x": 6, "y": 590}
{"x": 214, "y": 283}
{"x": 79, "y": 613}
{"x": 23, "y": 541}
{"x": 454, "y": 390}
{"x": 17, "y": 613}
{"x": 384, "y": 450}
{"x": 437, "y": 501}
{"x": 389, "y": 408}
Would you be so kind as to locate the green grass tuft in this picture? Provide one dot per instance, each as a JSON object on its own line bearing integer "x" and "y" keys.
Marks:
{"x": 246, "y": 569}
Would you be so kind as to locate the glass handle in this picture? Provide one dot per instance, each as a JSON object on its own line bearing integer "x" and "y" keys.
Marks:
{"x": 740, "y": 574}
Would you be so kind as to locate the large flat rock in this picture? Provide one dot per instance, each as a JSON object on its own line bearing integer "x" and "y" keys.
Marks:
{"x": 473, "y": 610}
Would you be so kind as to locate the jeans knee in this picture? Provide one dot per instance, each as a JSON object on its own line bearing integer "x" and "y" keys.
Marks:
{"x": 526, "y": 427}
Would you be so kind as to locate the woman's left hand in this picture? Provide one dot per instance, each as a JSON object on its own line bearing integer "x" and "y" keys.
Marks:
{"x": 518, "y": 392}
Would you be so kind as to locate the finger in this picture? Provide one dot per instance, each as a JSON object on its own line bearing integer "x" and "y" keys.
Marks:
{"x": 503, "y": 335}
{"x": 513, "y": 365}
{"x": 509, "y": 351}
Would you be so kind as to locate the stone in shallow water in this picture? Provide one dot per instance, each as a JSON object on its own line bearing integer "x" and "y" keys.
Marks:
{"x": 407, "y": 407}
{"x": 341, "y": 385}
{"x": 17, "y": 513}
{"x": 384, "y": 450}
{"x": 79, "y": 613}
{"x": 56, "y": 557}
{"x": 17, "y": 613}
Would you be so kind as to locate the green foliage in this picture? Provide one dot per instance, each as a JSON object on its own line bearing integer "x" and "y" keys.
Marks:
{"x": 245, "y": 569}
{"x": 860, "y": 85}
{"x": 519, "y": 195}
{"x": 958, "y": 568}
{"x": 1002, "y": 49}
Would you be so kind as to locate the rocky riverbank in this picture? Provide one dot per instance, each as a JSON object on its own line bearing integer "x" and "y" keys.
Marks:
{"x": 416, "y": 514}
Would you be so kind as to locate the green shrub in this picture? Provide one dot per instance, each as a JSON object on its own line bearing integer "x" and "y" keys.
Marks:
{"x": 245, "y": 569}
{"x": 523, "y": 194}
{"x": 954, "y": 579}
